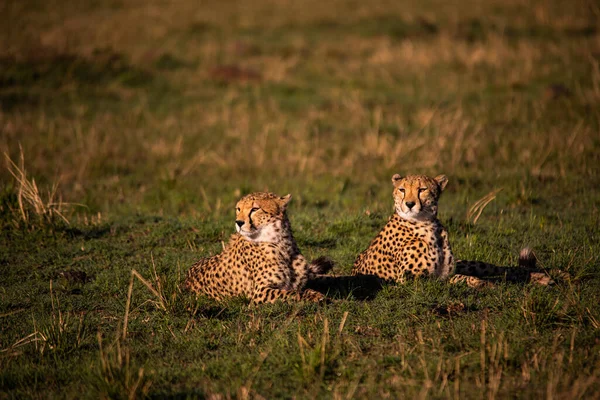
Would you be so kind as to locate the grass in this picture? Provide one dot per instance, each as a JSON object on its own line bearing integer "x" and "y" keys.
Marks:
{"x": 32, "y": 208}
{"x": 131, "y": 128}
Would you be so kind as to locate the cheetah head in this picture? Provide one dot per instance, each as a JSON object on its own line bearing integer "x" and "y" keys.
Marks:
{"x": 416, "y": 196}
{"x": 259, "y": 216}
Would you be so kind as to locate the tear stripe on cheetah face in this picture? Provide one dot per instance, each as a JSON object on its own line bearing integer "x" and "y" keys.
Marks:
{"x": 262, "y": 261}
{"x": 416, "y": 196}
{"x": 259, "y": 217}
{"x": 270, "y": 233}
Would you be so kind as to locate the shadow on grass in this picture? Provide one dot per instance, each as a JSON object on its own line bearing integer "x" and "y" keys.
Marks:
{"x": 360, "y": 287}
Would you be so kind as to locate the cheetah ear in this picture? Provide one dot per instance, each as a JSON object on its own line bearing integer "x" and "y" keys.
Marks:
{"x": 396, "y": 178}
{"x": 442, "y": 180}
{"x": 284, "y": 200}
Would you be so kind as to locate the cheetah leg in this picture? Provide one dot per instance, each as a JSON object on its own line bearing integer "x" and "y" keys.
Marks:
{"x": 270, "y": 295}
{"x": 305, "y": 272}
{"x": 301, "y": 272}
{"x": 470, "y": 281}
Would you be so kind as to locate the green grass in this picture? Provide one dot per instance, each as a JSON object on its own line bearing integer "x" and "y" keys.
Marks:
{"x": 153, "y": 118}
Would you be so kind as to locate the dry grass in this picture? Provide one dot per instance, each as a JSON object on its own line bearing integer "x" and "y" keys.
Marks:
{"x": 438, "y": 374}
{"x": 32, "y": 207}
{"x": 255, "y": 131}
{"x": 477, "y": 208}
{"x": 117, "y": 376}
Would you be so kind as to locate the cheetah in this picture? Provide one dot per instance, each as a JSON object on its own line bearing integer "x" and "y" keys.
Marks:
{"x": 261, "y": 261}
{"x": 414, "y": 243}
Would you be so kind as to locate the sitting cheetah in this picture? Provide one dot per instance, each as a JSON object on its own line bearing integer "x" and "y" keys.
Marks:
{"x": 414, "y": 243}
{"x": 261, "y": 261}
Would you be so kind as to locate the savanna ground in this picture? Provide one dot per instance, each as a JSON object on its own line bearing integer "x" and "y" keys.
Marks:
{"x": 141, "y": 123}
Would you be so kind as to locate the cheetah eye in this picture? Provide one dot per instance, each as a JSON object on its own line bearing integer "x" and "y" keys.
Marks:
{"x": 237, "y": 209}
{"x": 422, "y": 190}
{"x": 401, "y": 190}
{"x": 253, "y": 209}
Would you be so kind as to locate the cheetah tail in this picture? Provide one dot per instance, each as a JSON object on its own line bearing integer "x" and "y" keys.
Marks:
{"x": 527, "y": 258}
{"x": 321, "y": 265}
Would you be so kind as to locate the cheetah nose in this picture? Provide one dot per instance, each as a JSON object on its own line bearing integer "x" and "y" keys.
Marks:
{"x": 410, "y": 204}
{"x": 239, "y": 223}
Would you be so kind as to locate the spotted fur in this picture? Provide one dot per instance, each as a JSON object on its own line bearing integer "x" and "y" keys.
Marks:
{"x": 261, "y": 261}
{"x": 414, "y": 243}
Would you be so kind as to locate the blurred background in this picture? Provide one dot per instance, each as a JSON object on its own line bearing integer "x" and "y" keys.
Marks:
{"x": 179, "y": 107}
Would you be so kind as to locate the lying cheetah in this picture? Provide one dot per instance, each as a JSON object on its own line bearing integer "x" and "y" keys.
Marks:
{"x": 261, "y": 261}
{"x": 414, "y": 243}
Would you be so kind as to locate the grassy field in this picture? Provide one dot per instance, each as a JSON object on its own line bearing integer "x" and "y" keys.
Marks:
{"x": 130, "y": 128}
